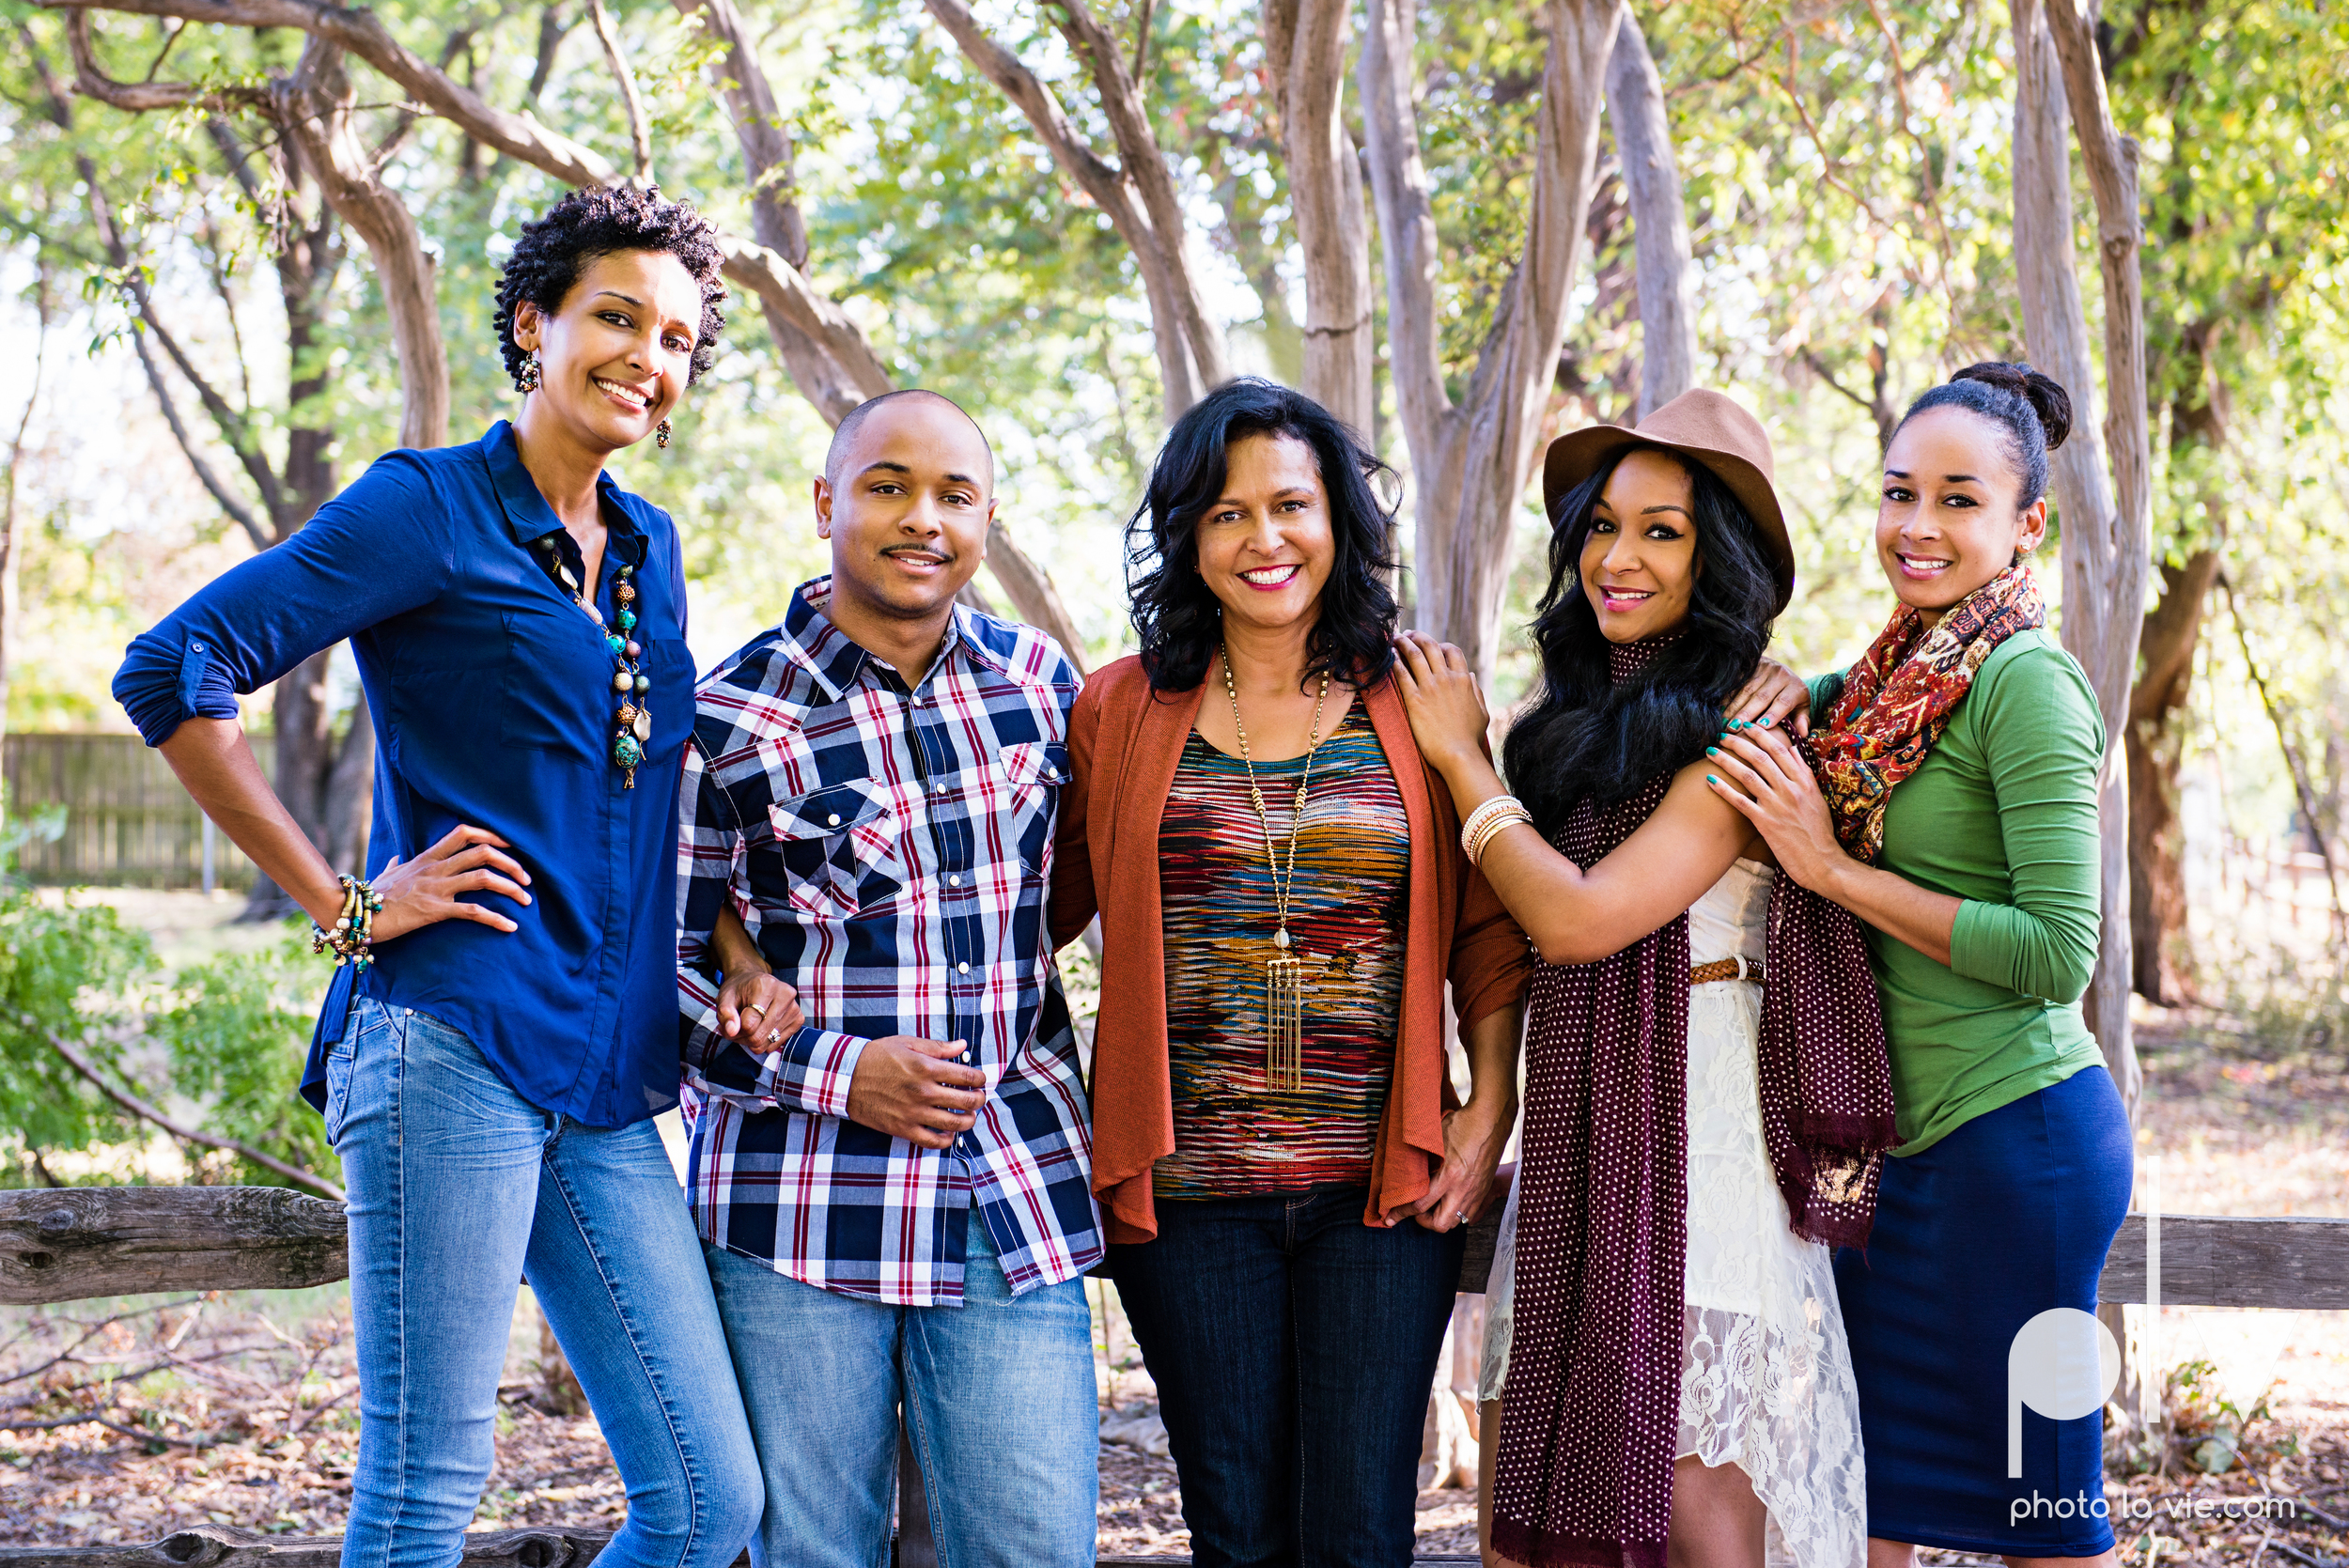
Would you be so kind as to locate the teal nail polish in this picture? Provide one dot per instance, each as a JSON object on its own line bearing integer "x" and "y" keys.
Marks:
{"x": 1710, "y": 779}
{"x": 1712, "y": 752}
{"x": 1765, "y": 721}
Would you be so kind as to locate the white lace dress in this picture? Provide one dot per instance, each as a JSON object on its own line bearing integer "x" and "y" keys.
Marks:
{"x": 1765, "y": 1375}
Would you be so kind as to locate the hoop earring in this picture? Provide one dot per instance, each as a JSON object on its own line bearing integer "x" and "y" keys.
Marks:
{"x": 660, "y": 434}
{"x": 532, "y": 377}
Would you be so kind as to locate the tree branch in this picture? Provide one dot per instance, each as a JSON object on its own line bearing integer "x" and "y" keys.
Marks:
{"x": 1146, "y": 165}
{"x": 1159, "y": 258}
{"x": 60, "y": 113}
{"x": 768, "y": 154}
{"x": 81, "y": 1063}
{"x": 2301, "y": 792}
{"x": 830, "y": 358}
{"x": 242, "y": 516}
{"x": 314, "y": 108}
{"x": 639, "y": 133}
{"x": 363, "y": 34}
{"x": 552, "y": 30}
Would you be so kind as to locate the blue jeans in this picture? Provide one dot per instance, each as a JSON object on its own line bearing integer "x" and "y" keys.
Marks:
{"x": 998, "y": 1402}
{"x": 457, "y": 1188}
{"x": 1294, "y": 1348}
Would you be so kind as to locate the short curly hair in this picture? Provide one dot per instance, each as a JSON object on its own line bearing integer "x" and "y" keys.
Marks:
{"x": 604, "y": 220}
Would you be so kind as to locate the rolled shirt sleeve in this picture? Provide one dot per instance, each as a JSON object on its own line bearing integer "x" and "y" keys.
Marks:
{"x": 2044, "y": 741}
{"x": 380, "y": 547}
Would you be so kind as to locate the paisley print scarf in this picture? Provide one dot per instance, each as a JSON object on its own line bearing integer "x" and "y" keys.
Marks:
{"x": 1898, "y": 699}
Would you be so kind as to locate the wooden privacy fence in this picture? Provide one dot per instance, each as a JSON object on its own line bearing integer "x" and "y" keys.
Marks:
{"x": 72, "y": 1243}
{"x": 128, "y": 823}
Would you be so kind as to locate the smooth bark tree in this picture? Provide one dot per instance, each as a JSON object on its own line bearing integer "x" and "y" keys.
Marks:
{"x": 1305, "y": 46}
{"x": 1637, "y": 116}
{"x": 2106, "y": 524}
{"x": 1472, "y": 455}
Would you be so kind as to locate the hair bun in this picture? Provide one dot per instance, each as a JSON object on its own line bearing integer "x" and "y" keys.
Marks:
{"x": 2045, "y": 394}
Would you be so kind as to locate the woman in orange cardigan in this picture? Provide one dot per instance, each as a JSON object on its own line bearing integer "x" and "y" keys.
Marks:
{"x": 1284, "y": 1165}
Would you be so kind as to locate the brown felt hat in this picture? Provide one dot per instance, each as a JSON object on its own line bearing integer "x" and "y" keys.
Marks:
{"x": 1706, "y": 428}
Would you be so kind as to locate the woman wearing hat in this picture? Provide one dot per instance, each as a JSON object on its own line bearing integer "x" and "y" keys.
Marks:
{"x": 1954, "y": 811}
{"x": 1662, "y": 1335}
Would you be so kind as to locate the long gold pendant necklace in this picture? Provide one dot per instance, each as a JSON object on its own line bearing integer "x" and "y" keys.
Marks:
{"x": 1283, "y": 974}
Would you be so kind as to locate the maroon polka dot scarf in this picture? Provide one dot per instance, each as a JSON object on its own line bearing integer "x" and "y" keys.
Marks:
{"x": 1898, "y": 699}
{"x": 1590, "y": 1416}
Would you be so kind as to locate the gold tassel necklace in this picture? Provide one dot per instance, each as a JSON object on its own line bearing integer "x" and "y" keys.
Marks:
{"x": 1283, "y": 974}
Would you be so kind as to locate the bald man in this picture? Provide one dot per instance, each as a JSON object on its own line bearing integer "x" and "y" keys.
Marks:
{"x": 890, "y": 1150}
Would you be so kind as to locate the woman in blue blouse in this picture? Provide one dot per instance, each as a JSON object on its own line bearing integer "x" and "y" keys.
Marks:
{"x": 489, "y": 1067}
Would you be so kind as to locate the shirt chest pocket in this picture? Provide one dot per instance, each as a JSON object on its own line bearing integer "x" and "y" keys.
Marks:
{"x": 838, "y": 852}
{"x": 1032, "y": 776}
{"x": 555, "y": 689}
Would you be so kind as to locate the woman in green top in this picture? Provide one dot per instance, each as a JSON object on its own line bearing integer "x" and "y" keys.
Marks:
{"x": 1955, "y": 812}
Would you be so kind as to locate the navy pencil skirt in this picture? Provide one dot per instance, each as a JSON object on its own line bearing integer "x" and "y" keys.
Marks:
{"x": 2005, "y": 1218}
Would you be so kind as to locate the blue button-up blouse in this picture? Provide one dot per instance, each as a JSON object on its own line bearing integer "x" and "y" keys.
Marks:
{"x": 492, "y": 699}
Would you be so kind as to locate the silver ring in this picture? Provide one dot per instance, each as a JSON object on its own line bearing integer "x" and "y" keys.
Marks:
{"x": 774, "y": 1037}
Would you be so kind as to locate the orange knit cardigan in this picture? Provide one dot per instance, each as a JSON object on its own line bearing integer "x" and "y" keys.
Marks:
{"x": 1124, "y": 744}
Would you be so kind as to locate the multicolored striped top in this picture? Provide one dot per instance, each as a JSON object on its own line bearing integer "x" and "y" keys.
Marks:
{"x": 1232, "y": 1136}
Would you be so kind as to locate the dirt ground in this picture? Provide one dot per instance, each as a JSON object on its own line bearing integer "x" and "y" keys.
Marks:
{"x": 120, "y": 1421}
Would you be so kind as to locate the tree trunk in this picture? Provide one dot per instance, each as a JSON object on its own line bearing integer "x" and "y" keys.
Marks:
{"x": 1660, "y": 220}
{"x": 1471, "y": 460}
{"x": 307, "y": 780}
{"x": 1305, "y": 45}
{"x": 2156, "y": 877}
{"x": 2107, "y": 536}
{"x": 315, "y": 108}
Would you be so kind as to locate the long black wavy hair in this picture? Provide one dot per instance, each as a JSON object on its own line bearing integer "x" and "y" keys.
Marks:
{"x": 1174, "y": 613}
{"x": 1584, "y": 737}
{"x": 605, "y": 220}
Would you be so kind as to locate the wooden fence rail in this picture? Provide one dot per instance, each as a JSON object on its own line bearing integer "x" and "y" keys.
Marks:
{"x": 128, "y": 822}
{"x": 72, "y": 1243}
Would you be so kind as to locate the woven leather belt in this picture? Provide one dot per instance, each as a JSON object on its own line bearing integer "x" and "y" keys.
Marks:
{"x": 1725, "y": 969}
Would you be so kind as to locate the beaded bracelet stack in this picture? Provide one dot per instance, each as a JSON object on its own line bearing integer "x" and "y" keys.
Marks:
{"x": 1487, "y": 821}
{"x": 352, "y": 938}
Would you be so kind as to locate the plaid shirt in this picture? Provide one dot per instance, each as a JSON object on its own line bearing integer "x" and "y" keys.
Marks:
{"x": 889, "y": 851}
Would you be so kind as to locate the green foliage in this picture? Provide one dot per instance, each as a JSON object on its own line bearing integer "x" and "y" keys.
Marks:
{"x": 62, "y": 972}
{"x": 236, "y": 1031}
{"x": 221, "y": 1044}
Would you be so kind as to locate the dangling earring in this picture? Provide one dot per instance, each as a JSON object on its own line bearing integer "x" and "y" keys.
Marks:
{"x": 532, "y": 377}
{"x": 661, "y": 433}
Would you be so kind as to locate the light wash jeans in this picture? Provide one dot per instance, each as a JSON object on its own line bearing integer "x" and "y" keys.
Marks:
{"x": 999, "y": 1401}
{"x": 459, "y": 1188}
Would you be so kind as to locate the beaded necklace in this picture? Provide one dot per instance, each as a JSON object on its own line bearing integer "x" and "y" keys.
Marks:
{"x": 633, "y": 721}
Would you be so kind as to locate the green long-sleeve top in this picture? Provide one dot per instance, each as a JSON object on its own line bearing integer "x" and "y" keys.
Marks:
{"x": 2002, "y": 814}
